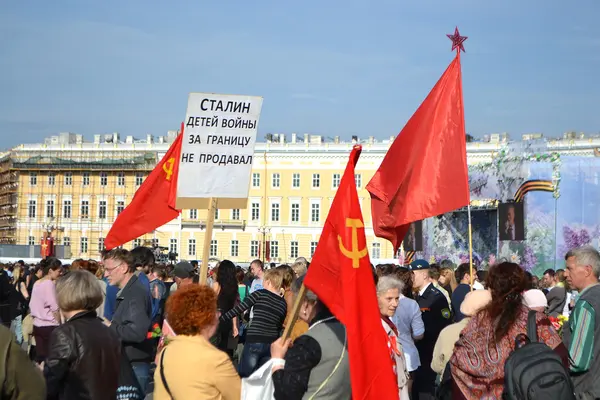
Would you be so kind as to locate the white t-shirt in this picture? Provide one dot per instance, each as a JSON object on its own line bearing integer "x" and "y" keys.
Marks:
{"x": 409, "y": 321}
{"x": 257, "y": 284}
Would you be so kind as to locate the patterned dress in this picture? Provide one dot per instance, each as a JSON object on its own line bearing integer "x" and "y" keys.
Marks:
{"x": 478, "y": 363}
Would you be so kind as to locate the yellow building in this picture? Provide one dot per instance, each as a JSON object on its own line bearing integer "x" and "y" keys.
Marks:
{"x": 76, "y": 189}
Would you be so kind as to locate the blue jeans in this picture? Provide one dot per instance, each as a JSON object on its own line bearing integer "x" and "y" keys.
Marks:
{"x": 254, "y": 356}
{"x": 142, "y": 373}
{"x": 16, "y": 327}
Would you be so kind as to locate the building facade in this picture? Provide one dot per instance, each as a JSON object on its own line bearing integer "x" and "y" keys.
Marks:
{"x": 76, "y": 189}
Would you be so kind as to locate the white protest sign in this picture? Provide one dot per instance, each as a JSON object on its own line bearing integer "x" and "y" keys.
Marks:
{"x": 217, "y": 150}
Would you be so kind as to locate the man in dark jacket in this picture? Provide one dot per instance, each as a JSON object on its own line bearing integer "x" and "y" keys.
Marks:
{"x": 556, "y": 295}
{"x": 131, "y": 320}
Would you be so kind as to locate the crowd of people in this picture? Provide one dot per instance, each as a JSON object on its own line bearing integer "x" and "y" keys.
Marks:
{"x": 125, "y": 327}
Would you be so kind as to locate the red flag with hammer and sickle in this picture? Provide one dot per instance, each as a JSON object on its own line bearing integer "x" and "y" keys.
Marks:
{"x": 341, "y": 276}
{"x": 153, "y": 204}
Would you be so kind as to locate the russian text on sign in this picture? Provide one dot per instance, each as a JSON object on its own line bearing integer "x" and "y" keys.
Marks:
{"x": 218, "y": 150}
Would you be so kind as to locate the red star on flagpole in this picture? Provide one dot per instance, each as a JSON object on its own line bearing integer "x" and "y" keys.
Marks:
{"x": 457, "y": 41}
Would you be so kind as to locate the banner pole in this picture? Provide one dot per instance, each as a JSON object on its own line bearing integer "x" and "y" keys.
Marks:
{"x": 210, "y": 221}
{"x": 470, "y": 246}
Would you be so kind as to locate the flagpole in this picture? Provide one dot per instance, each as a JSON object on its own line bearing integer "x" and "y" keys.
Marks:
{"x": 210, "y": 221}
{"x": 470, "y": 245}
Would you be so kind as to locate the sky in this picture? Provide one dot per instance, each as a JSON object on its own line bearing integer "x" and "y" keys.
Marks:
{"x": 326, "y": 67}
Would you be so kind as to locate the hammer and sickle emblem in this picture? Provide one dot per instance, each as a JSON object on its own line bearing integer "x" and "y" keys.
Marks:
{"x": 355, "y": 253}
{"x": 168, "y": 167}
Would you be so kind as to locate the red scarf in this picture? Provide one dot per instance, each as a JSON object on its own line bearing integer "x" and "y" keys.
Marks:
{"x": 392, "y": 343}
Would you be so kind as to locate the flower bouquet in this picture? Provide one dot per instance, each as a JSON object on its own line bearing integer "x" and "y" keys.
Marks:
{"x": 156, "y": 332}
{"x": 558, "y": 322}
{"x": 166, "y": 335}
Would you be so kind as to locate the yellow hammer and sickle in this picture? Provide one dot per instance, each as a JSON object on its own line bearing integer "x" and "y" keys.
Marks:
{"x": 168, "y": 167}
{"x": 355, "y": 254}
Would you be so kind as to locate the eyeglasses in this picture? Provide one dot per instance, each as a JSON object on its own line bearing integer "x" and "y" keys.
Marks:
{"x": 110, "y": 270}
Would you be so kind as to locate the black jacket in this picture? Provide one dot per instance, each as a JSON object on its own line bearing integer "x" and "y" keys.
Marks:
{"x": 83, "y": 361}
{"x": 131, "y": 320}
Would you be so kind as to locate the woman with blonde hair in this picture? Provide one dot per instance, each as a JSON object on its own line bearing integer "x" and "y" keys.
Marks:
{"x": 84, "y": 355}
{"x": 289, "y": 277}
{"x": 269, "y": 310}
{"x": 448, "y": 279}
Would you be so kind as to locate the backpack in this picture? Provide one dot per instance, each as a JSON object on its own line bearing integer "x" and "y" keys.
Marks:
{"x": 534, "y": 371}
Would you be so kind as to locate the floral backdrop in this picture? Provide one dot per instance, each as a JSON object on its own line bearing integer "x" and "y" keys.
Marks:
{"x": 555, "y": 222}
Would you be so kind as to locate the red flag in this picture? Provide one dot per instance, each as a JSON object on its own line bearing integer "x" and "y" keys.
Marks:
{"x": 341, "y": 276}
{"x": 424, "y": 173}
{"x": 153, "y": 204}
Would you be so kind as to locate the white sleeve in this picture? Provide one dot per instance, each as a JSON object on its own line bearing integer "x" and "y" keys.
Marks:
{"x": 417, "y": 325}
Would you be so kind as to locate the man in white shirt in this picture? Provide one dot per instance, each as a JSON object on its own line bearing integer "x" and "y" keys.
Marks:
{"x": 257, "y": 269}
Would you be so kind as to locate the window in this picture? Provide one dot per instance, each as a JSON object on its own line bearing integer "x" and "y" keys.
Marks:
{"x": 66, "y": 241}
{"x": 68, "y": 178}
{"x": 51, "y": 179}
{"x": 315, "y": 212}
{"x": 120, "y": 206}
{"x": 103, "y": 179}
{"x": 358, "y": 180}
{"x": 276, "y": 180}
{"x": 293, "y": 249}
{"x": 255, "y": 180}
{"x": 235, "y": 248}
{"x": 296, "y": 180}
{"x": 173, "y": 245}
{"x": 121, "y": 179}
{"x": 376, "y": 250}
{"x": 155, "y": 242}
{"x": 100, "y": 244}
{"x": 295, "y": 212}
{"x": 193, "y": 213}
{"x": 102, "y": 209}
{"x": 313, "y": 247}
{"x": 275, "y": 212}
{"x": 213, "y": 248}
{"x": 50, "y": 208}
{"x": 137, "y": 243}
{"x": 255, "y": 210}
{"x": 192, "y": 247}
{"x": 84, "y": 245}
{"x": 316, "y": 181}
{"x": 274, "y": 249}
{"x": 32, "y": 178}
{"x": 139, "y": 179}
{"x": 67, "y": 209}
{"x": 85, "y": 179}
{"x": 32, "y": 208}
{"x": 254, "y": 249}
{"x": 235, "y": 214}
{"x": 85, "y": 209}
{"x": 31, "y": 240}
{"x": 216, "y": 214}
{"x": 336, "y": 180}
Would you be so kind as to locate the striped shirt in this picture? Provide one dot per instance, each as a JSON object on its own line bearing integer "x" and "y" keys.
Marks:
{"x": 269, "y": 311}
{"x": 581, "y": 348}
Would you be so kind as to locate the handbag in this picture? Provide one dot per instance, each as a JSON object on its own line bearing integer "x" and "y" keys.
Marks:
{"x": 259, "y": 385}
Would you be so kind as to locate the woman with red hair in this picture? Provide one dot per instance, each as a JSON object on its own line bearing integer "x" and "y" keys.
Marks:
{"x": 190, "y": 367}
